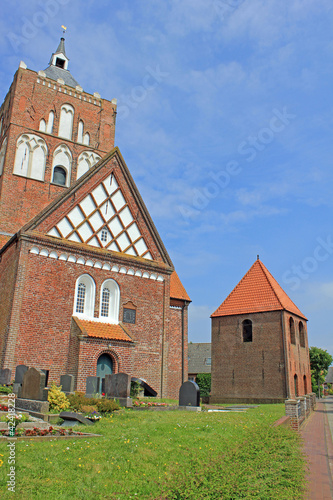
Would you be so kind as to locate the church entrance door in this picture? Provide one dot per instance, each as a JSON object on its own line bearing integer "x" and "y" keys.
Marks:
{"x": 104, "y": 367}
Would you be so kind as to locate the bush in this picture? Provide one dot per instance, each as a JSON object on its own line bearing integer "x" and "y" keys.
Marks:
{"x": 88, "y": 408}
{"x": 135, "y": 389}
{"x": 107, "y": 405}
{"x": 57, "y": 399}
{"x": 78, "y": 400}
{"x": 6, "y": 389}
{"x": 204, "y": 382}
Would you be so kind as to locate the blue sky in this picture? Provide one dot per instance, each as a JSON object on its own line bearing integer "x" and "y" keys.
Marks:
{"x": 225, "y": 121}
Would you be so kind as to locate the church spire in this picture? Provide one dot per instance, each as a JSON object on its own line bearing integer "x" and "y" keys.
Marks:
{"x": 58, "y": 66}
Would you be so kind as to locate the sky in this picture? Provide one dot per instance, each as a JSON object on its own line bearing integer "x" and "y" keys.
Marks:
{"x": 225, "y": 122}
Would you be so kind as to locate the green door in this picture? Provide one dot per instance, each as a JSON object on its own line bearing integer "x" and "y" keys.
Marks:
{"x": 104, "y": 367}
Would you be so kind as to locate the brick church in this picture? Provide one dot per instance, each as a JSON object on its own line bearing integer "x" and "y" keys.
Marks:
{"x": 260, "y": 349}
{"x": 86, "y": 284}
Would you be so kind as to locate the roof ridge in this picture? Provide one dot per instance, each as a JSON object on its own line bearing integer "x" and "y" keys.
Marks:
{"x": 264, "y": 269}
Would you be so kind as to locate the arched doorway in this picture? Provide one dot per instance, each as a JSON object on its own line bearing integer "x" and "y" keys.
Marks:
{"x": 104, "y": 367}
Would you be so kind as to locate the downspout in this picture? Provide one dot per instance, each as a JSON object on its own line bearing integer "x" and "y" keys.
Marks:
{"x": 286, "y": 366}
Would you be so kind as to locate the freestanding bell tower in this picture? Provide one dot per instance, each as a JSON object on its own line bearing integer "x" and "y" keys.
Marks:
{"x": 51, "y": 133}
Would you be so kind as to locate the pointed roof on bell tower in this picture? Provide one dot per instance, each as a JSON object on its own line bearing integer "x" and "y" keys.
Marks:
{"x": 58, "y": 66}
{"x": 256, "y": 292}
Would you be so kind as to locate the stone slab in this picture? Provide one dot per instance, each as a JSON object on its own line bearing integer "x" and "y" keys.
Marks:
{"x": 190, "y": 408}
{"x": 33, "y": 385}
{"x": 5, "y": 376}
{"x": 67, "y": 383}
{"x": 32, "y": 405}
{"x": 20, "y": 370}
{"x": 92, "y": 386}
{"x": 71, "y": 416}
{"x": 118, "y": 385}
{"x": 125, "y": 402}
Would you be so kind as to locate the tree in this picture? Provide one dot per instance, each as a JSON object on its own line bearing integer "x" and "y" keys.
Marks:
{"x": 320, "y": 360}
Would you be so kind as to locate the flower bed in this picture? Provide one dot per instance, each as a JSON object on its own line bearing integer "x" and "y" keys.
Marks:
{"x": 36, "y": 431}
{"x": 145, "y": 404}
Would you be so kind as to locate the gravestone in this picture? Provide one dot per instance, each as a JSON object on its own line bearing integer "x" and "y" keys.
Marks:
{"x": 92, "y": 386}
{"x": 189, "y": 394}
{"x": 5, "y": 376}
{"x": 67, "y": 383}
{"x": 118, "y": 385}
{"x": 20, "y": 370}
{"x": 71, "y": 418}
{"x": 33, "y": 385}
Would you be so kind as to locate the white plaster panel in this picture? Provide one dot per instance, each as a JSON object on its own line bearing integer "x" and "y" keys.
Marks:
{"x": 160, "y": 278}
{"x": 130, "y": 272}
{"x": 99, "y": 194}
{"x": 85, "y": 231}
{"x": 98, "y": 265}
{"x": 76, "y": 216}
{"x": 94, "y": 242}
{"x": 133, "y": 232}
{"x": 148, "y": 256}
{"x": 65, "y": 227}
{"x": 107, "y": 211}
{"x": 54, "y": 232}
{"x": 80, "y": 260}
{"x": 123, "y": 241}
{"x": 110, "y": 184}
{"x": 63, "y": 256}
{"x": 53, "y": 255}
{"x": 113, "y": 247}
{"x": 126, "y": 216}
{"x": 131, "y": 251}
{"x": 123, "y": 270}
{"x": 74, "y": 237}
{"x": 44, "y": 252}
{"x": 106, "y": 267}
{"x": 145, "y": 275}
{"x": 115, "y": 226}
{"x": 118, "y": 200}
{"x": 34, "y": 250}
{"x": 141, "y": 246}
{"x": 138, "y": 273}
{"x": 71, "y": 258}
{"x": 96, "y": 221}
{"x": 89, "y": 263}
{"x": 88, "y": 205}
{"x": 115, "y": 269}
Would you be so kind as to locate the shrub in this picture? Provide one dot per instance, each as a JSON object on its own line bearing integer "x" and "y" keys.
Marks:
{"x": 107, "y": 405}
{"x": 78, "y": 400}
{"x": 135, "y": 389}
{"x": 57, "y": 399}
{"x": 88, "y": 408}
{"x": 204, "y": 382}
{"x": 6, "y": 389}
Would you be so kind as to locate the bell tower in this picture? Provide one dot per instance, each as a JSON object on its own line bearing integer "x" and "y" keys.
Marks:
{"x": 51, "y": 133}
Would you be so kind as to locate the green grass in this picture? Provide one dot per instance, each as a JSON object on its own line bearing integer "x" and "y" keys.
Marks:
{"x": 165, "y": 455}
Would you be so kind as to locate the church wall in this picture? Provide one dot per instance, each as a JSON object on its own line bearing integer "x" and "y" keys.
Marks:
{"x": 174, "y": 371}
{"x": 47, "y": 301}
{"x": 248, "y": 371}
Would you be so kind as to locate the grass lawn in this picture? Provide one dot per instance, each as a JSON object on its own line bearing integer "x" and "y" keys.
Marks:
{"x": 165, "y": 455}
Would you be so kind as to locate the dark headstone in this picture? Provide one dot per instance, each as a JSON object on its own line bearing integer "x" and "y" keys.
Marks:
{"x": 71, "y": 418}
{"x": 118, "y": 385}
{"x": 19, "y": 373}
{"x": 189, "y": 394}
{"x": 46, "y": 376}
{"x": 92, "y": 385}
{"x": 32, "y": 406}
{"x": 67, "y": 383}
{"x": 33, "y": 385}
{"x": 5, "y": 376}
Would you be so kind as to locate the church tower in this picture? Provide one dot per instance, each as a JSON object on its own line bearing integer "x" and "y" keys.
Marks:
{"x": 51, "y": 133}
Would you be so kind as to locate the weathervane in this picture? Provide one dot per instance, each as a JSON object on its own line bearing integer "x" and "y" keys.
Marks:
{"x": 64, "y": 28}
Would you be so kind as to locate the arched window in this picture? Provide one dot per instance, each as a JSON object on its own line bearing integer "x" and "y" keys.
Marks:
{"x": 3, "y": 154}
{"x": 59, "y": 176}
{"x": 84, "y": 301}
{"x": 66, "y": 121}
{"x": 80, "y": 132}
{"x": 50, "y": 121}
{"x": 296, "y": 385}
{"x": 247, "y": 330}
{"x": 42, "y": 125}
{"x": 305, "y": 385}
{"x": 62, "y": 158}
{"x": 30, "y": 157}
{"x": 109, "y": 307}
{"x": 301, "y": 334}
{"x": 292, "y": 331}
{"x": 86, "y": 139}
{"x": 86, "y": 160}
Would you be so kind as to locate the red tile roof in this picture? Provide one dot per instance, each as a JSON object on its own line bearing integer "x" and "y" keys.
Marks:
{"x": 177, "y": 291}
{"x": 102, "y": 330}
{"x": 257, "y": 291}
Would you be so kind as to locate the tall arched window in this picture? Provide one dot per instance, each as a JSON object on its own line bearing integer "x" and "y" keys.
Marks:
{"x": 292, "y": 331}
{"x": 305, "y": 385}
{"x": 109, "y": 307}
{"x": 80, "y": 132}
{"x": 3, "y": 154}
{"x": 86, "y": 139}
{"x": 296, "y": 385}
{"x": 86, "y": 160}
{"x": 301, "y": 334}
{"x": 84, "y": 301}
{"x": 42, "y": 125}
{"x": 30, "y": 156}
{"x": 62, "y": 159}
{"x": 49, "y": 128}
{"x": 247, "y": 330}
{"x": 66, "y": 121}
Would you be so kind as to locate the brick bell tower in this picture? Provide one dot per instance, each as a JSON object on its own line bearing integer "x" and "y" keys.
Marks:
{"x": 51, "y": 133}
